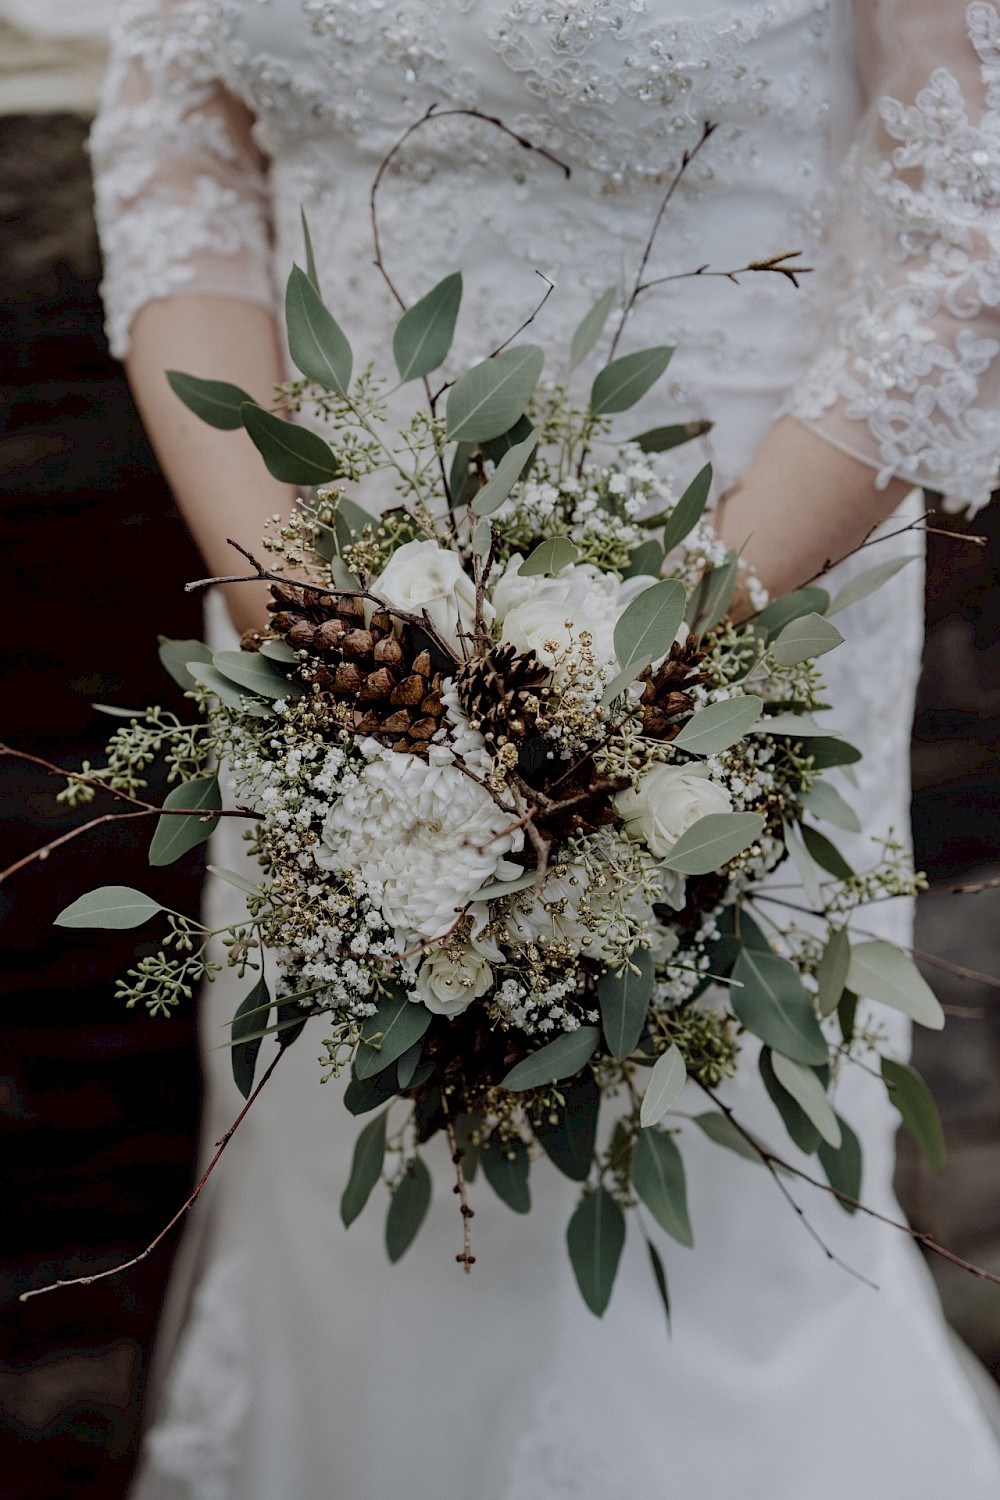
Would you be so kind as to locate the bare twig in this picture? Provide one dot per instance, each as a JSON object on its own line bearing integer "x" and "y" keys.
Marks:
{"x": 126, "y": 1265}
{"x": 466, "y": 1260}
{"x": 919, "y": 1236}
{"x": 774, "y": 263}
{"x": 707, "y": 131}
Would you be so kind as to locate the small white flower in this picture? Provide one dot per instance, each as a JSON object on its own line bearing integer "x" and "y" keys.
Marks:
{"x": 450, "y": 980}
{"x": 666, "y": 801}
{"x": 422, "y": 576}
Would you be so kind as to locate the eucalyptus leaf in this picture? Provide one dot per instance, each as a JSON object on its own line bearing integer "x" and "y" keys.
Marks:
{"x": 174, "y": 836}
{"x": 804, "y": 638}
{"x": 911, "y": 1096}
{"x": 658, "y": 1178}
{"x": 292, "y": 454}
{"x": 564, "y": 1056}
{"x": 408, "y": 1064}
{"x": 407, "y": 1209}
{"x": 114, "y": 712}
{"x": 720, "y": 1129}
{"x": 624, "y": 679}
{"x": 649, "y": 625}
{"x": 497, "y": 888}
{"x": 175, "y": 655}
{"x": 843, "y": 1167}
{"x": 215, "y": 401}
{"x": 595, "y": 1237}
{"x": 803, "y": 862}
{"x": 719, "y": 725}
{"x": 662, "y": 439}
{"x": 660, "y": 1277}
{"x": 689, "y": 509}
{"x": 549, "y": 557}
{"x": 366, "y": 1169}
{"x": 847, "y": 1010}
{"x": 645, "y": 561}
{"x": 570, "y": 1139}
{"x": 713, "y": 841}
{"x": 624, "y": 1000}
{"x": 825, "y": 802}
{"x": 505, "y": 1167}
{"x": 254, "y": 673}
{"x": 774, "y": 1004}
{"x": 504, "y": 477}
{"x": 397, "y": 1023}
{"x": 826, "y": 855}
{"x": 244, "y": 1053}
{"x": 233, "y": 878}
{"x": 207, "y": 676}
{"x": 717, "y": 596}
{"x": 279, "y": 651}
{"x": 425, "y": 331}
{"x": 884, "y": 973}
{"x": 831, "y": 976}
{"x": 666, "y": 1083}
{"x": 625, "y": 381}
{"x": 485, "y": 402}
{"x": 118, "y": 907}
{"x": 316, "y": 340}
{"x": 866, "y": 583}
{"x": 362, "y": 1095}
{"x": 829, "y": 750}
{"x": 801, "y": 1130}
{"x": 591, "y": 327}
{"x": 810, "y": 600}
{"x": 796, "y": 726}
{"x": 493, "y": 449}
{"x": 311, "y": 271}
{"x": 809, "y": 1094}
{"x": 482, "y": 537}
{"x": 463, "y": 481}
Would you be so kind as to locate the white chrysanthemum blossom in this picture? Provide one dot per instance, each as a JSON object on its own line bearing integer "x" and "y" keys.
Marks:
{"x": 421, "y": 836}
{"x": 421, "y": 577}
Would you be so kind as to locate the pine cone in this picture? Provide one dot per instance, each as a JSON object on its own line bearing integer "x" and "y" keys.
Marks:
{"x": 666, "y": 693}
{"x": 500, "y": 691}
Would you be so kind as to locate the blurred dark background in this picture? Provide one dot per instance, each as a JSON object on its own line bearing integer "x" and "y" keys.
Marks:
{"x": 98, "y": 1104}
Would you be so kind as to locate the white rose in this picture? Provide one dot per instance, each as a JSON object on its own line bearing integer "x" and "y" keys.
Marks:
{"x": 535, "y": 609}
{"x": 666, "y": 801}
{"x": 422, "y": 576}
{"x": 450, "y": 980}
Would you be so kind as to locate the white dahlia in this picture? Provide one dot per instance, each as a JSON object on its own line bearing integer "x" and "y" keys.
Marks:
{"x": 422, "y": 837}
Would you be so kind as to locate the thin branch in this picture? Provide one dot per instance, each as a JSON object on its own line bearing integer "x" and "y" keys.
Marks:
{"x": 773, "y": 263}
{"x": 550, "y": 287}
{"x": 707, "y": 131}
{"x": 126, "y": 1265}
{"x": 466, "y": 1260}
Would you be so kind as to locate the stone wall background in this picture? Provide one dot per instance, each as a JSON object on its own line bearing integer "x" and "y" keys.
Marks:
{"x": 99, "y": 1105}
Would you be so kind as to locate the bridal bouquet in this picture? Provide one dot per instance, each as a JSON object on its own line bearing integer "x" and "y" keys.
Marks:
{"x": 515, "y": 782}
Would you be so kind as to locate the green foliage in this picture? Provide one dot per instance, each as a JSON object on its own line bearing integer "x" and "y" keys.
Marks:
{"x": 397, "y": 1023}
{"x": 774, "y": 1004}
{"x": 110, "y": 906}
{"x": 175, "y": 834}
{"x": 826, "y": 803}
{"x": 660, "y": 1278}
{"x": 880, "y": 971}
{"x": 408, "y": 1207}
{"x": 256, "y": 673}
{"x": 311, "y": 271}
{"x": 689, "y": 510}
{"x": 646, "y": 560}
{"x": 366, "y": 1169}
{"x": 504, "y": 477}
{"x": 662, "y": 439}
{"x": 506, "y": 1165}
{"x": 866, "y": 583}
{"x": 561, "y": 1058}
{"x": 801, "y": 1129}
{"x": 826, "y": 855}
{"x": 720, "y": 1129}
{"x": 624, "y": 1000}
{"x": 804, "y": 638}
{"x": 568, "y": 1134}
{"x": 550, "y": 557}
{"x": 595, "y": 1237}
{"x": 209, "y": 677}
{"x": 292, "y": 454}
{"x": 490, "y": 398}
{"x": 843, "y": 1167}
{"x": 911, "y": 1096}
{"x": 666, "y": 1083}
{"x": 425, "y": 331}
{"x": 717, "y": 726}
{"x": 713, "y": 841}
{"x": 649, "y": 625}
{"x": 591, "y": 327}
{"x": 174, "y": 656}
{"x": 809, "y": 1093}
{"x": 810, "y": 600}
{"x": 215, "y": 401}
{"x": 658, "y": 1178}
{"x": 625, "y": 381}
{"x": 316, "y": 341}
{"x": 247, "y": 1019}
{"x": 831, "y": 976}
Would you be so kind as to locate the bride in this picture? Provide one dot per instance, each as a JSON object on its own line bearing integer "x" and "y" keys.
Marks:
{"x": 292, "y": 1359}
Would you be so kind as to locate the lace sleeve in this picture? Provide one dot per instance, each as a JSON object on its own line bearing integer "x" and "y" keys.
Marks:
{"x": 910, "y": 382}
{"x": 181, "y": 191}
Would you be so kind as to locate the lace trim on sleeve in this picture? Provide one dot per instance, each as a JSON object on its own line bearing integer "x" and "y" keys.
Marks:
{"x": 916, "y": 354}
{"x": 181, "y": 192}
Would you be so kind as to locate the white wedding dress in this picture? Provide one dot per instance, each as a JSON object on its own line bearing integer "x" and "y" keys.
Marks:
{"x": 294, "y": 1359}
